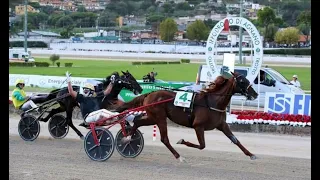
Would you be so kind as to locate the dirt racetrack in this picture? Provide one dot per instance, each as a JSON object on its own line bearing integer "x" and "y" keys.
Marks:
{"x": 279, "y": 157}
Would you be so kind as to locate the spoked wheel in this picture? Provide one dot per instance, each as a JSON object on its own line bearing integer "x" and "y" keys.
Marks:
{"x": 132, "y": 148}
{"x": 58, "y": 126}
{"x": 104, "y": 149}
{"x": 28, "y": 128}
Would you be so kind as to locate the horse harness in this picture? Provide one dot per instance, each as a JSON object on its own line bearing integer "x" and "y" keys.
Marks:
{"x": 190, "y": 112}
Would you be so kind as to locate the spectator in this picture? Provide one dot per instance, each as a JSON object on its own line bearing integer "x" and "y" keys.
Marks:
{"x": 295, "y": 81}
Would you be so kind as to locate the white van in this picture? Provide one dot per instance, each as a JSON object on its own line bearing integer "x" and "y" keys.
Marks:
{"x": 275, "y": 82}
{"x": 19, "y": 55}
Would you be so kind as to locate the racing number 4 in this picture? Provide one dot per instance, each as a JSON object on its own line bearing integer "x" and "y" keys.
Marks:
{"x": 183, "y": 97}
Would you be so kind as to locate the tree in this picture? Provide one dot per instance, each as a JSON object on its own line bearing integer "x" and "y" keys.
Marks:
{"x": 304, "y": 23}
{"x": 287, "y": 36}
{"x": 168, "y": 8}
{"x": 272, "y": 30}
{"x": 107, "y": 20}
{"x": 81, "y": 9}
{"x": 64, "y": 21}
{"x": 210, "y": 23}
{"x": 266, "y": 16}
{"x": 279, "y": 37}
{"x": 67, "y": 31}
{"x": 197, "y": 31}
{"x": 53, "y": 58}
{"x": 168, "y": 28}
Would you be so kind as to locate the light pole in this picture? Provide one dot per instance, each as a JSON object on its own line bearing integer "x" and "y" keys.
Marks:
{"x": 240, "y": 36}
{"x": 25, "y": 25}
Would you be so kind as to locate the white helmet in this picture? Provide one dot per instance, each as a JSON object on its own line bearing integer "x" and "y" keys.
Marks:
{"x": 88, "y": 90}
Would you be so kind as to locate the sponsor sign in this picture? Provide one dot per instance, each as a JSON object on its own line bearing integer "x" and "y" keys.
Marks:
{"x": 255, "y": 37}
{"x": 285, "y": 103}
{"x": 59, "y": 82}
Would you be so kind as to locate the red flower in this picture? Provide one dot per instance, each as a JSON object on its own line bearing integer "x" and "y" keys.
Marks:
{"x": 271, "y": 116}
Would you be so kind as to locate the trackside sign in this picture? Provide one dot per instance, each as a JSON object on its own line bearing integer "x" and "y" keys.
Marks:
{"x": 255, "y": 37}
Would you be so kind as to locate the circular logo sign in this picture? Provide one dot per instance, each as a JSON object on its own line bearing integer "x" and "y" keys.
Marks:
{"x": 256, "y": 39}
{"x": 42, "y": 82}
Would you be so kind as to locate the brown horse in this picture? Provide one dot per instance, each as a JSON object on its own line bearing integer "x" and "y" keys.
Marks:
{"x": 207, "y": 112}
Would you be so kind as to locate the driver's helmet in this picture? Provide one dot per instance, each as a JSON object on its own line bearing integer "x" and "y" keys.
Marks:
{"x": 88, "y": 89}
{"x": 19, "y": 82}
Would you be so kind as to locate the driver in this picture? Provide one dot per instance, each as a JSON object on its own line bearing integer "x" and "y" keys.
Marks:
{"x": 20, "y": 99}
{"x": 89, "y": 104}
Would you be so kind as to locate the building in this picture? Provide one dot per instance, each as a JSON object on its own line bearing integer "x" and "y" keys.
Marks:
{"x": 39, "y": 34}
{"x": 144, "y": 34}
{"x": 62, "y": 5}
{"x": 19, "y": 10}
{"x": 92, "y": 5}
{"x": 113, "y": 35}
{"x": 134, "y": 21}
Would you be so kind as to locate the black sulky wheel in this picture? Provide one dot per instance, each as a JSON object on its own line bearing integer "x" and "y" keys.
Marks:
{"x": 58, "y": 126}
{"x": 28, "y": 128}
{"x": 104, "y": 150}
{"x": 132, "y": 148}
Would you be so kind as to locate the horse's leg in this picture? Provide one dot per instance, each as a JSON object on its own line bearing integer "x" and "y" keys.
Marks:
{"x": 200, "y": 135}
{"x": 226, "y": 130}
{"x": 162, "y": 125}
{"x": 137, "y": 123}
{"x": 52, "y": 112}
{"x": 69, "y": 121}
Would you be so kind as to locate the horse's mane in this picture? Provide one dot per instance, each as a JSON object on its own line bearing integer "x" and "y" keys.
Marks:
{"x": 219, "y": 82}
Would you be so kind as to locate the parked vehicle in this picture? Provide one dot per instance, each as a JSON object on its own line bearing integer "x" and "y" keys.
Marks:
{"x": 19, "y": 55}
{"x": 274, "y": 82}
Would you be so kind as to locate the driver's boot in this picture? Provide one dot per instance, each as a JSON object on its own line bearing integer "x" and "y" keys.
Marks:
{"x": 84, "y": 124}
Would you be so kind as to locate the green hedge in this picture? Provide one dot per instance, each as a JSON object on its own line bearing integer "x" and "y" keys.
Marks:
{"x": 154, "y": 62}
{"x": 29, "y": 64}
{"x": 21, "y": 64}
{"x": 293, "y": 51}
{"x": 185, "y": 61}
{"x": 42, "y": 64}
{"x": 31, "y": 44}
{"x": 68, "y": 64}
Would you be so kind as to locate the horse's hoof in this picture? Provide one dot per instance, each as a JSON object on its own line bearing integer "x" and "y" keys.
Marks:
{"x": 253, "y": 157}
{"x": 182, "y": 159}
{"x": 126, "y": 140}
{"x": 181, "y": 141}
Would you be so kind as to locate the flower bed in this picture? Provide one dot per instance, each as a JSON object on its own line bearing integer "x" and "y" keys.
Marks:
{"x": 255, "y": 117}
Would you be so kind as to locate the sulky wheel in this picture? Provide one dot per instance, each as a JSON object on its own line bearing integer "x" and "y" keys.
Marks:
{"x": 104, "y": 149}
{"x": 132, "y": 148}
{"x": 28, "y": 128}
{"x": 58, "y": 126}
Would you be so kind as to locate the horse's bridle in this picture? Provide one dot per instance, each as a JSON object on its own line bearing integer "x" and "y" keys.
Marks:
{"x": 243, "y": 92}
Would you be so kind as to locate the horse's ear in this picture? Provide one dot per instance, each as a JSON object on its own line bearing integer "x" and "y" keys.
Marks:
{"x": 127, "y": 71}
{"x": 123, "y": 72}
{"x": 232, "y": 73}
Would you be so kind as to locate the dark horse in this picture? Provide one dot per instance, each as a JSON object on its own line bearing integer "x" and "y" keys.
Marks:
{"x": 67, "y": 104}
{"x": 207, "y": 112}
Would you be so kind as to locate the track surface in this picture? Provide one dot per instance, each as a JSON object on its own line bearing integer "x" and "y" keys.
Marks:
{"x": 279, "y": 157}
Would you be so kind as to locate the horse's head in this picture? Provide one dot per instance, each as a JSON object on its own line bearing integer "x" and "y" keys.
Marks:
{"x": 130, "y": 83}
{"x": 244, "y": 87}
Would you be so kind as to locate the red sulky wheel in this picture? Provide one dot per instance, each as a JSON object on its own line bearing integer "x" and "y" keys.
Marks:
{"x": 132, "y": 148}
{"x": 104, "y": 149}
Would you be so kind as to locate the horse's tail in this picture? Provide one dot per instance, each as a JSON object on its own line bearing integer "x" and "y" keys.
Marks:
{"x": 134, "y": 103}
